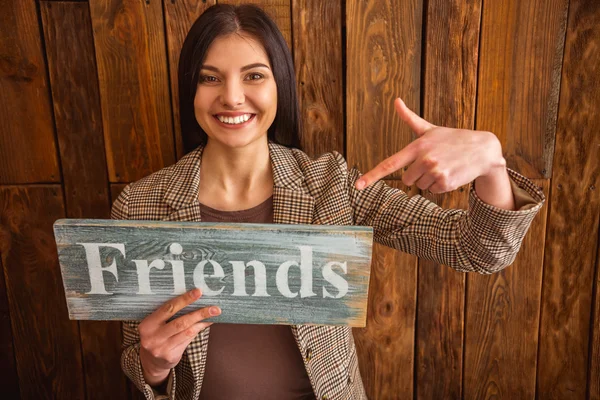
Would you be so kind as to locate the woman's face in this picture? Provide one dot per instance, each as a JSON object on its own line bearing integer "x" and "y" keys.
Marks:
{"x": 236, "y": 97}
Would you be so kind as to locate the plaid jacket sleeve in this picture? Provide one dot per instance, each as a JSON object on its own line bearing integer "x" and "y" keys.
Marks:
{"x": 130, "y": 358}
{"x": 483, "y": 239}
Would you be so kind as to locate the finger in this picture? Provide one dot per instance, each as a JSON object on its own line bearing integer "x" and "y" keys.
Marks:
{"x": 184, "y": 322}
{"x": 416, "y": 123}
{"x": 437, "y": 188}
{"x": 399, "y": 160}
{"x": 173, "y": 306}
{"x": 425, "y": 182}
{"x": 182, "y": 339}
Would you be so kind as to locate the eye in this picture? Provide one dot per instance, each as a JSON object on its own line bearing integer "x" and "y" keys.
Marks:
{"x": 254, "y": 76}
{"x": 208, "y": 79}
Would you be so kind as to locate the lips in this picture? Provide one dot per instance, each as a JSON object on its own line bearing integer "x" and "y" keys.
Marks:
{"x": 234, "y": 120}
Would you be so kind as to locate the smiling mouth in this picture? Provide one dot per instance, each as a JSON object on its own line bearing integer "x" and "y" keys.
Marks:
{"x": 237, "y": 120}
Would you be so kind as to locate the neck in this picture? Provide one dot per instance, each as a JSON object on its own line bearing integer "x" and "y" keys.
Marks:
{"x": 236, "y": 171}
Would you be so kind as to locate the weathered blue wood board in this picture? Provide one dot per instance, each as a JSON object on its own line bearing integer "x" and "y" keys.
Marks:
{"x": 256, "y": 273}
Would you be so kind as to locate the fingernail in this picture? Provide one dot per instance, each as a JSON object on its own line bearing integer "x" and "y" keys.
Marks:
{"x": 360, "y": 184}
{"x": 215, "y": 311}
{"x": 196, "y": 292}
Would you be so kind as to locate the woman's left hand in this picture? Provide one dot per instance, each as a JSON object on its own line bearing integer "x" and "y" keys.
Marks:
{"x": 441, "y": 159}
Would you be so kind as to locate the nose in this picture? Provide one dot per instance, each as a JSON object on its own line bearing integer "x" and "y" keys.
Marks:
{"x": 232, "y": 94}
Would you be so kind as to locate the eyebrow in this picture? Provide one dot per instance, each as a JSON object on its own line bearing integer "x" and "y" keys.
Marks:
{"x": 244, "y": 68}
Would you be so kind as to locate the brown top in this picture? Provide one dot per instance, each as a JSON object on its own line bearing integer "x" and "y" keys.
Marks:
{"x": 252, "y": 361}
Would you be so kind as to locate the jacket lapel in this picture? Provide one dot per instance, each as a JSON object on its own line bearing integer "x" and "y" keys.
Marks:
{"x": 292, "y": 204}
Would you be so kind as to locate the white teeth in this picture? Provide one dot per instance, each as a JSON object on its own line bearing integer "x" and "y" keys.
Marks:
{"x": 234, "y": 120}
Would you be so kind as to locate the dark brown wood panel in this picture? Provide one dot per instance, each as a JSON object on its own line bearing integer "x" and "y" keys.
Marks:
{"x": 594, "y": 371}
{"x": 386, "y": 346}
{"x": 46, "y": 342}
{"x": 132, "y": 70}
{"x": 9, "y": 380}
{"x": 383, "y": 62}
{"x": 572, "y": 234}
{"x": 70, "y": 49}
{"x": 318, "y": 62}
{"x": 502, "y": 322}
{"x": 519, "y": 79}
{"x": 451, "y": 38}
{"x": 179, "y": 18}
{"x": 278, "y": 10}
{"x": 27, "y": 148}
{"x": 71, "y": 60}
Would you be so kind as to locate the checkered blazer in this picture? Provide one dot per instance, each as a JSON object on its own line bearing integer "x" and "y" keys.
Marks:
{"x": 484, "y": 239}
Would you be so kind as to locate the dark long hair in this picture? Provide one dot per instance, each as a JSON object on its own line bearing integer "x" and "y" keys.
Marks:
{"x": 224, "y": 19}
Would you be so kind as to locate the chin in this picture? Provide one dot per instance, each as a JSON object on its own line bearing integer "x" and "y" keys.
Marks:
{"x": 237, "y": 141}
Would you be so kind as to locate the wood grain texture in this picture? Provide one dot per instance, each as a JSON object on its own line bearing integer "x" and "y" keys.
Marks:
{"x": 134, "y": 89}
{"x": 278, "y": 10}
{"x": 318, "y": 62}
{"x": 502, "y": 322}
{"x": 70, "y": 49}
{"x": 179, "y": 18}
{"x": 594, "y": 371}
{"x": 46, "y": 343}
{"x": 519, "y": 79}
{"x": 178, "y": 252}
{"x": 71, "y": 62}
{"x": 386, "y": 346}
{"x": 451, "y": 39}
{"x": 25, "y": 110}
{"x": 9, "y": 380}
{"x": 572, "y": 233}
{"x": 383, "y": 62}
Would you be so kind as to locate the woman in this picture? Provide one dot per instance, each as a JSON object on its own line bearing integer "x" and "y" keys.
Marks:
{"x": 240, "y": 124}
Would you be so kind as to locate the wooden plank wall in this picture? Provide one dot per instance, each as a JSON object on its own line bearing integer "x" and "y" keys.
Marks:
{"x": 88, "y": 100}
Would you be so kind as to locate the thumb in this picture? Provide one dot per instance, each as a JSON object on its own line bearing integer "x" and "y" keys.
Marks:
{"x": 416, "y": 123}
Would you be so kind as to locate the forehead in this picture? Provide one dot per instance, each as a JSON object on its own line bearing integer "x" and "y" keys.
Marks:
{"x": 236, "y": 48}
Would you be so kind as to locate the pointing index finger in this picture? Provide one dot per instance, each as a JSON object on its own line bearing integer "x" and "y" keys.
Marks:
{"x": 391, "y": 164}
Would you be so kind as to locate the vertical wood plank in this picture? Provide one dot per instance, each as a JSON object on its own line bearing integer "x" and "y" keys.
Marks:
{"x": 572, "y": 234}
{"x": 278, "y": 10}
{"x": 502, "y": 322}
{"x": 452, "y": 39}
{"x": 25, "y": 115}
{"x": 519, "y": 79}
{"x": 9, "y": 380}
{"x": 73, "y": 75}
{"x": 383, "y": 62}
{"x": 134, "y": 88}
{"x": 70, "y": 49}
{"x": 383, "y": 47}
{"x": 46, "y": 343}
{"x": 179, "y": 18}
{"x": 386, "y": 346}
{"x": 318, "y": 61}
{"x": 594, "y": 371}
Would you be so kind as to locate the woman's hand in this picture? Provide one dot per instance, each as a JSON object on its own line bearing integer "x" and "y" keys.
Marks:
{"x": 162, "y": 343}
{"x": 441, "y": 159}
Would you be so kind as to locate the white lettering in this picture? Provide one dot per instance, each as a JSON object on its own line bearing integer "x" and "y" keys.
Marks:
{"x": 92, "y": 254}
{"x": 239, "y": 278}
{"x": 199, "y": 277}
{"x": 143, "y": 273}
{"x": 178, "y": 270}
{"x": 336, "y": 280}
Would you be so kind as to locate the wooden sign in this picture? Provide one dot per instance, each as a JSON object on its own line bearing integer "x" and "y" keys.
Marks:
{"x": 256, "y": 273}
